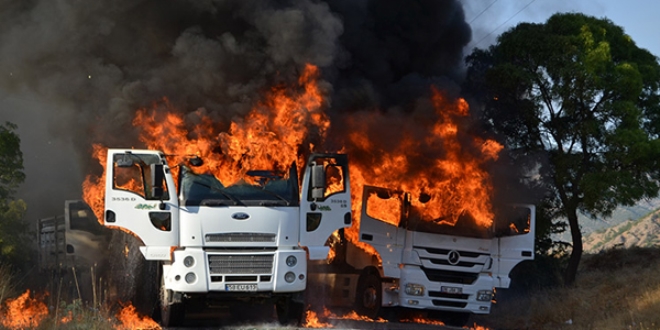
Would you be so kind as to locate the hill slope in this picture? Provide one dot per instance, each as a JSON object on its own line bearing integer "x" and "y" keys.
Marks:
{"x": 641, "y": 232}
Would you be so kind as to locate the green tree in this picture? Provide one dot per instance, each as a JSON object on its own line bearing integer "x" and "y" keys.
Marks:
{"x": 13, "y": 230}
{"x": 580, "y": 99}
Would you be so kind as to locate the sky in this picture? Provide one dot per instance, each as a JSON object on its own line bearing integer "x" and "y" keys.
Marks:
{"x": 489, "y": 18}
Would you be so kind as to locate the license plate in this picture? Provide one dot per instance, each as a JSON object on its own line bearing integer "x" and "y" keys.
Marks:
{"x": 451, "y": 290}
{"x": 240, "y": 287}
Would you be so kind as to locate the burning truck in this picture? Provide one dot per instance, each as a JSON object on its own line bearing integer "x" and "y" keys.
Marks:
{"x": 247, "y": 240}
{"x": 447, "y": 270}
{"x": 225, "y": 219}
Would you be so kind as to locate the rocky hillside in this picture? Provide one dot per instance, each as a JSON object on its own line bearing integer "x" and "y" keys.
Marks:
{"x": 640, "y": 232}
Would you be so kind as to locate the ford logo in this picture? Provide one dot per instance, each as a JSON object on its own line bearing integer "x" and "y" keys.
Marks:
{"x": 240, "y": 216}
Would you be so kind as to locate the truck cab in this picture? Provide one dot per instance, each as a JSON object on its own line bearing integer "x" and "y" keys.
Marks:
{"x": 448, "y": 270}
{"x": 223, "y": 241}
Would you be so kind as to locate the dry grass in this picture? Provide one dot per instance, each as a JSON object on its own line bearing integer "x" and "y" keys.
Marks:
{"x": 617, "y": 289}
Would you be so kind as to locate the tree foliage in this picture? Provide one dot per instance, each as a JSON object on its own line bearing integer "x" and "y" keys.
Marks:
{"x": 13, "y": 230}
{"x": 579, "y": 98}
{"x": 11, "y": 161}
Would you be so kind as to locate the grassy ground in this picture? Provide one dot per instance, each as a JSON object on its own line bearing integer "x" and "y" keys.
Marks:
{"x": 616, "y": 289}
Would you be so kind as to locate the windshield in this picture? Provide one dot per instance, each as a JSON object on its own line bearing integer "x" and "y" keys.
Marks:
{"x": 269, "y": 189}
{"x": 509, "y": 221}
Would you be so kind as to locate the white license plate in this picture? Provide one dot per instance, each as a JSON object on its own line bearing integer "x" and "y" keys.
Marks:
{"x": 240, "y": 287}
{"x": 451, "y": 290}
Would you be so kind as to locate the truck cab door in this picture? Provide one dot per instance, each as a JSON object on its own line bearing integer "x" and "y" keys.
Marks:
{"x": 380, "y": 218}
{"x": 514, "y": 229}
{"x": 140, "y": 197}
{"x": 325, "y": 203}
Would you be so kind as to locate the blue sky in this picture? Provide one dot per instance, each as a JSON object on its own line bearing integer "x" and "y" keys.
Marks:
{"x": 639, "y": 18}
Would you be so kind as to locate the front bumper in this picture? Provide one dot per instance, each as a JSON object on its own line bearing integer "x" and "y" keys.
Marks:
{"x": 433, "y": 297}
{"x": 194, "y": 270}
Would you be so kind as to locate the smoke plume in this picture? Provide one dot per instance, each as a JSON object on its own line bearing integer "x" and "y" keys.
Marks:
{"x": 74, "y": 73}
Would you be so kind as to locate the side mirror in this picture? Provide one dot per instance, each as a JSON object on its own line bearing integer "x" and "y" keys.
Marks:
{"x": 157, "y": 178}
{"x": 318, "y": 181}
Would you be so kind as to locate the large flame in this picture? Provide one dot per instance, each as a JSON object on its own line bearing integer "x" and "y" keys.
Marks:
{"x": 129, "y": 319}
{"x": 23, "y": 312}
{"x": 442, "y": 189}
{"x": 275, "y": 133}
{"x": 269, "y": 137}
{"x": 431, "y": 158}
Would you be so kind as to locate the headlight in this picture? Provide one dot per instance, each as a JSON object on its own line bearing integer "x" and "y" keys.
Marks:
{"x": 484, "y": 295}
{"x": 291, "y": 261}
{"x": 414, "y": 289}
{"x": 289, "y": 277}
{"x": 188, "y": 261}
{"x": 190, "y": 278}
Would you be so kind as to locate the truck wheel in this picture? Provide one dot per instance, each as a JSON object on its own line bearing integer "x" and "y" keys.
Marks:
{"x": 171, "y": 313}
{"x": 289, "y": 312}
{"x": 369, "y": 296}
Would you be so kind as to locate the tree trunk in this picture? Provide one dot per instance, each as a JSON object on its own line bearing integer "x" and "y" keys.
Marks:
{"x": 576, "y": 255}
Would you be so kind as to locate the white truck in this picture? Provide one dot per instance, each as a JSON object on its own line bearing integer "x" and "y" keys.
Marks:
{"x": 446, "y": 271}
{"x": 248, "y": 240}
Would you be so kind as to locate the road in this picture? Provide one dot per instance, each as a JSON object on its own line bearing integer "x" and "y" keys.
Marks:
{"x": 253, "y": 319}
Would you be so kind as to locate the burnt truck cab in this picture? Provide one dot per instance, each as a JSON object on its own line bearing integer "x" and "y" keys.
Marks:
{"x": 75, "y": 239}
{"x": 448, "y": 271}
{"x": 250, "y": 239}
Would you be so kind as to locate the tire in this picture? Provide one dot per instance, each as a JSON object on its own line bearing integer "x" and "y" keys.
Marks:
{"x": 369, "y": 296}
{"x": 289, "y": 312}
{"x": 171, "y": 312}
{"x": 146, "y": 298}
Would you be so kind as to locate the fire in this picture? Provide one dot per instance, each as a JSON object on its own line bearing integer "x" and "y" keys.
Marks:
{"x": 130, "y": 320}
{"x": 353, "y": 315}
{"x": 434, "y": 160}
{"x": 23, "y": 312}
{"x": 312, "y": 320}
{"x": 422, "y": 320}
{"x": 273, "y": 135}
{"x": 66, "y": 318}
{"x": 93, "y": 187}
{"x": 269, "y": 137}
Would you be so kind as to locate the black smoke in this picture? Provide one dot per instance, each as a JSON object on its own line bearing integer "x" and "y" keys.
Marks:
{"x": 73, "y": 73}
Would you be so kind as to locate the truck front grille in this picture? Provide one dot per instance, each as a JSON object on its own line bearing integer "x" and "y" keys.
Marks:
{"x": 240, "y": 237}
{"x": 240, "y": 264}
{"x": 437, "y": 275}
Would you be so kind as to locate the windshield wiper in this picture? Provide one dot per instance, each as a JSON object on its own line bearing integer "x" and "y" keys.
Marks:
{"x": 276, "y": 195}
{"x": 217, "y": 202}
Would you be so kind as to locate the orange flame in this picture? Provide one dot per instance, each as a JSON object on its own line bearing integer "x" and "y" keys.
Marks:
{"x": 67, "y": 318}
{"x": 443, "y": 188}
{"x": 272, "y": 136}
{"x": 432, "y": 158}
{"x": 312, "y": 320}
{"x": 24, "y": 312}
{"x": 268, "y": 138}
{"x": 93, "y": 186}
{"x": 130, "y": 320}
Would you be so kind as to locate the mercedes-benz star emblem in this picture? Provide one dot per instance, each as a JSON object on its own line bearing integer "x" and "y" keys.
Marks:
{"x": 453, "y": 257}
